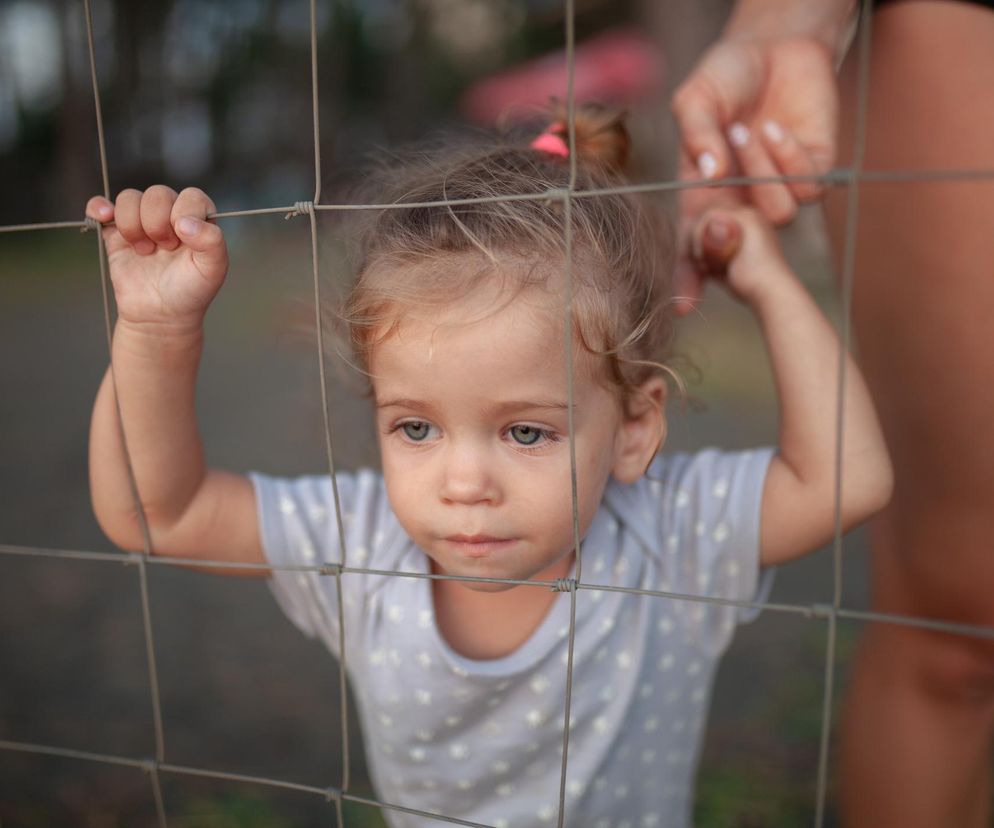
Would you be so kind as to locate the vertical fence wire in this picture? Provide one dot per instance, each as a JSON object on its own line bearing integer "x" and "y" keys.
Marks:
{"x": 853, "y": 176}
{"x": 326, "y": 416}
{"x": 153, "y": 674}
{"x": 570, "y": 37}
{"x": 845, "y": 335}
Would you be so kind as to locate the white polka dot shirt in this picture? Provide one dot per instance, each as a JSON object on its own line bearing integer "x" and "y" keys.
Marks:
{"x": 482, "y": 740}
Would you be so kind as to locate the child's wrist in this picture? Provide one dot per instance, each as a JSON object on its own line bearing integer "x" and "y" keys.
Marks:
{"x": 172, "y": 337}
{"x": 777, "y": 284}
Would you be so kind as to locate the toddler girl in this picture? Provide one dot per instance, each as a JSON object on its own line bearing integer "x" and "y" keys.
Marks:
{"x": 457, "y": 315}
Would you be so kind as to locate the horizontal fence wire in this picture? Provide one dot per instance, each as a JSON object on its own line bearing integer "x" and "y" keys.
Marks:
{"x": 849, "y": 177}
{"x": 833, "y": 178}
{"x": 812, "y": 610}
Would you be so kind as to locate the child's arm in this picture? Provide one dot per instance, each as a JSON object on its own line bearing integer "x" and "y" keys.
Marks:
{"x": 166, "y": 264}
{"x": 799, "y": 495}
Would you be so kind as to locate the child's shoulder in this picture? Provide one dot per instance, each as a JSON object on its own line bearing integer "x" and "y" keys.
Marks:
{"x": 683, "y": 485}
{"x": 300, "y": 518}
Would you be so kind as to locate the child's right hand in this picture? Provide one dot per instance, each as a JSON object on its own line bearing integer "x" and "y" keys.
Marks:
{"x": 167, "y": 262}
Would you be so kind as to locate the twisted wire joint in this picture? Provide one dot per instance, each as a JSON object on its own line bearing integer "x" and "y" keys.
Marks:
{"x": 300, "y": 208}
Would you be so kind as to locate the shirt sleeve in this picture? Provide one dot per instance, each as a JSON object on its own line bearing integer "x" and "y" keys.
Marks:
{"x": 298, "y": 527}
{"x": 710, "y": 521}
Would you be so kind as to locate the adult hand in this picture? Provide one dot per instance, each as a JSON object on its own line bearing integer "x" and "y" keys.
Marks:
{"x": 756, "y": 107}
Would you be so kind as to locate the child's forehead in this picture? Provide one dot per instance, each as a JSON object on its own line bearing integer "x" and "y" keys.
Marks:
{"x": 521, "y": 320}
{"x": 496, "y": 330}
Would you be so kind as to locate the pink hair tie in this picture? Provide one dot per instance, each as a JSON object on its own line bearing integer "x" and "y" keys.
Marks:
{"x": 551, "y": 143}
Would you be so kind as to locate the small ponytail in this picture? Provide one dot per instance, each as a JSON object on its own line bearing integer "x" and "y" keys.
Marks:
{"x": 488, "y": 201}
{"x": 602, "y": 141}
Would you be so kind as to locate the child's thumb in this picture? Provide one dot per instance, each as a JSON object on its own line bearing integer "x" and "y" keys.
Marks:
{"x": 717, "y": 239}
{"x": 206, "y": 242}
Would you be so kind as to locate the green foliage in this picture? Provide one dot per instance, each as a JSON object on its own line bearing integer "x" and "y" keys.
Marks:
{"x": 238, "y": 810}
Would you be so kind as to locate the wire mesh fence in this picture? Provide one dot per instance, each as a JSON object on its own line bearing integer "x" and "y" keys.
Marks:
{"x": 342, "y": 790}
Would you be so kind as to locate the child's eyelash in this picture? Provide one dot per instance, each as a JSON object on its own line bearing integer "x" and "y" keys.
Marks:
{"x": 545, "y": 437}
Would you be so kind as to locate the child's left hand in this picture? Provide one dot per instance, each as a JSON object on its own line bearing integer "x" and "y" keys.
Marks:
{"x": 736, "y": 246}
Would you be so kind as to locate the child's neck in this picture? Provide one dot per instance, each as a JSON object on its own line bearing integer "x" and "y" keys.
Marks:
{"x": 487, "y": 625}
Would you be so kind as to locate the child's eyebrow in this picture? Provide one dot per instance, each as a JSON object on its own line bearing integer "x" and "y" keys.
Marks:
{"x": 498, "y": 408}
{"x": 523, "y": 405}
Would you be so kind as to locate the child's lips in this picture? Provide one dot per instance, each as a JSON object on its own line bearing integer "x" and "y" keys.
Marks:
{"x": 478, "y": 546}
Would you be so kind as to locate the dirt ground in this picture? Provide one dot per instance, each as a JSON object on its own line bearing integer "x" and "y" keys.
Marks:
{"x": 241, "y": 690}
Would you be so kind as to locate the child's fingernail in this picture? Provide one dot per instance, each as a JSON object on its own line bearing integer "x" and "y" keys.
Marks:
{"x": 188, "y": 226}
{"x": 104, "y": 211}
{"x": 738, "y": 134}
{"x": 773, "y": 131}
{"x": 707, "y": 164}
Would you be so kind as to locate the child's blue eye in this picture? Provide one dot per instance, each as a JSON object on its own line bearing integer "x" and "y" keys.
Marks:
{"x": 526, "y": 435}
{"x": 417, "y": 431}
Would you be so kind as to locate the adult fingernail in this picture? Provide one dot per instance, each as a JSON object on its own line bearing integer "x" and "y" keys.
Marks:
{"x": 718, "y": 231}
{"x": 738, "y": 134}
{"x": 188, "y": 226}
{"x": 773, "y": 131}
{"x": 707, "y": 164}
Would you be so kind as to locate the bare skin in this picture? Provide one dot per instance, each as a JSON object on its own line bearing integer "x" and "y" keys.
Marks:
{"x": 453, "y": 468}
{"x": 919, "y": 718}
{"x": 919, "y": 722}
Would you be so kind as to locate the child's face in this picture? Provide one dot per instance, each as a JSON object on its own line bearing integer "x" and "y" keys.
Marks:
{"x": 472, "y": 417}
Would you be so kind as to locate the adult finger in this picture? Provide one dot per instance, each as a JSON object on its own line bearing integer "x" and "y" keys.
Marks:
{"x": 774, "y": 200}
{"x": 792, "y": 159}
{"x": 700, "y": 131}
{"x": 155, "y": 211}
{"x": 716, "y": 239}
{"x": 127, "y": 217}
{"x": 687, "y": 286}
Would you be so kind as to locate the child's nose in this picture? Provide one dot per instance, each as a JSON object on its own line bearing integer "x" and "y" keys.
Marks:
{"x": 467, "y": 476}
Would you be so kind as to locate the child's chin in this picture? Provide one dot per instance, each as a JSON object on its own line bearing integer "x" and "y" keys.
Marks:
{"x": 481, "y": 586}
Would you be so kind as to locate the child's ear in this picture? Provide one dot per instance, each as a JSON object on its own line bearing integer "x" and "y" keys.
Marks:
{"x": 643, "y": 431}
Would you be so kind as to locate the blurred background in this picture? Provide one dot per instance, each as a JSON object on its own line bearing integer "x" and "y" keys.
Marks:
{"x": 218, "y": 95}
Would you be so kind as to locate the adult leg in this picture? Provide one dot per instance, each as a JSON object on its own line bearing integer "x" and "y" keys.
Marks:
{"x": 916, "y": 734}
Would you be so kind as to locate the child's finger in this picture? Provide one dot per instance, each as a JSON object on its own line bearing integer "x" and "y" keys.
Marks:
{"x": 774, "y": 200}
{"x": 205, "y": 240}
{"x": 99, "y": 208}
{"x": 127, "y": 217}
{"x": 792, "y": 159}
{"x": 155, "y": 210}
{"x": 192, "y": 202}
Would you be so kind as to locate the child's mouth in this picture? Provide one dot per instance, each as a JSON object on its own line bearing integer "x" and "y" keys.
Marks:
{"x": 478, "y": 546}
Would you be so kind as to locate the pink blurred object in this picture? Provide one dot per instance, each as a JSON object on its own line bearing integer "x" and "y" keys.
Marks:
{"x": 617, "y": 67}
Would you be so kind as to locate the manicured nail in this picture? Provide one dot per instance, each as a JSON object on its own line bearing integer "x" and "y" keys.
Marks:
{"x": 738, "y": 134}
{"x": 188, "y": 226}
{"x": 773, "y": 131}
{"x": 707, "y": 164}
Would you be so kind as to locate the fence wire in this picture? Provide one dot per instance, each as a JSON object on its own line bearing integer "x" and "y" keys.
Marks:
{"x": 849, "y": 177}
